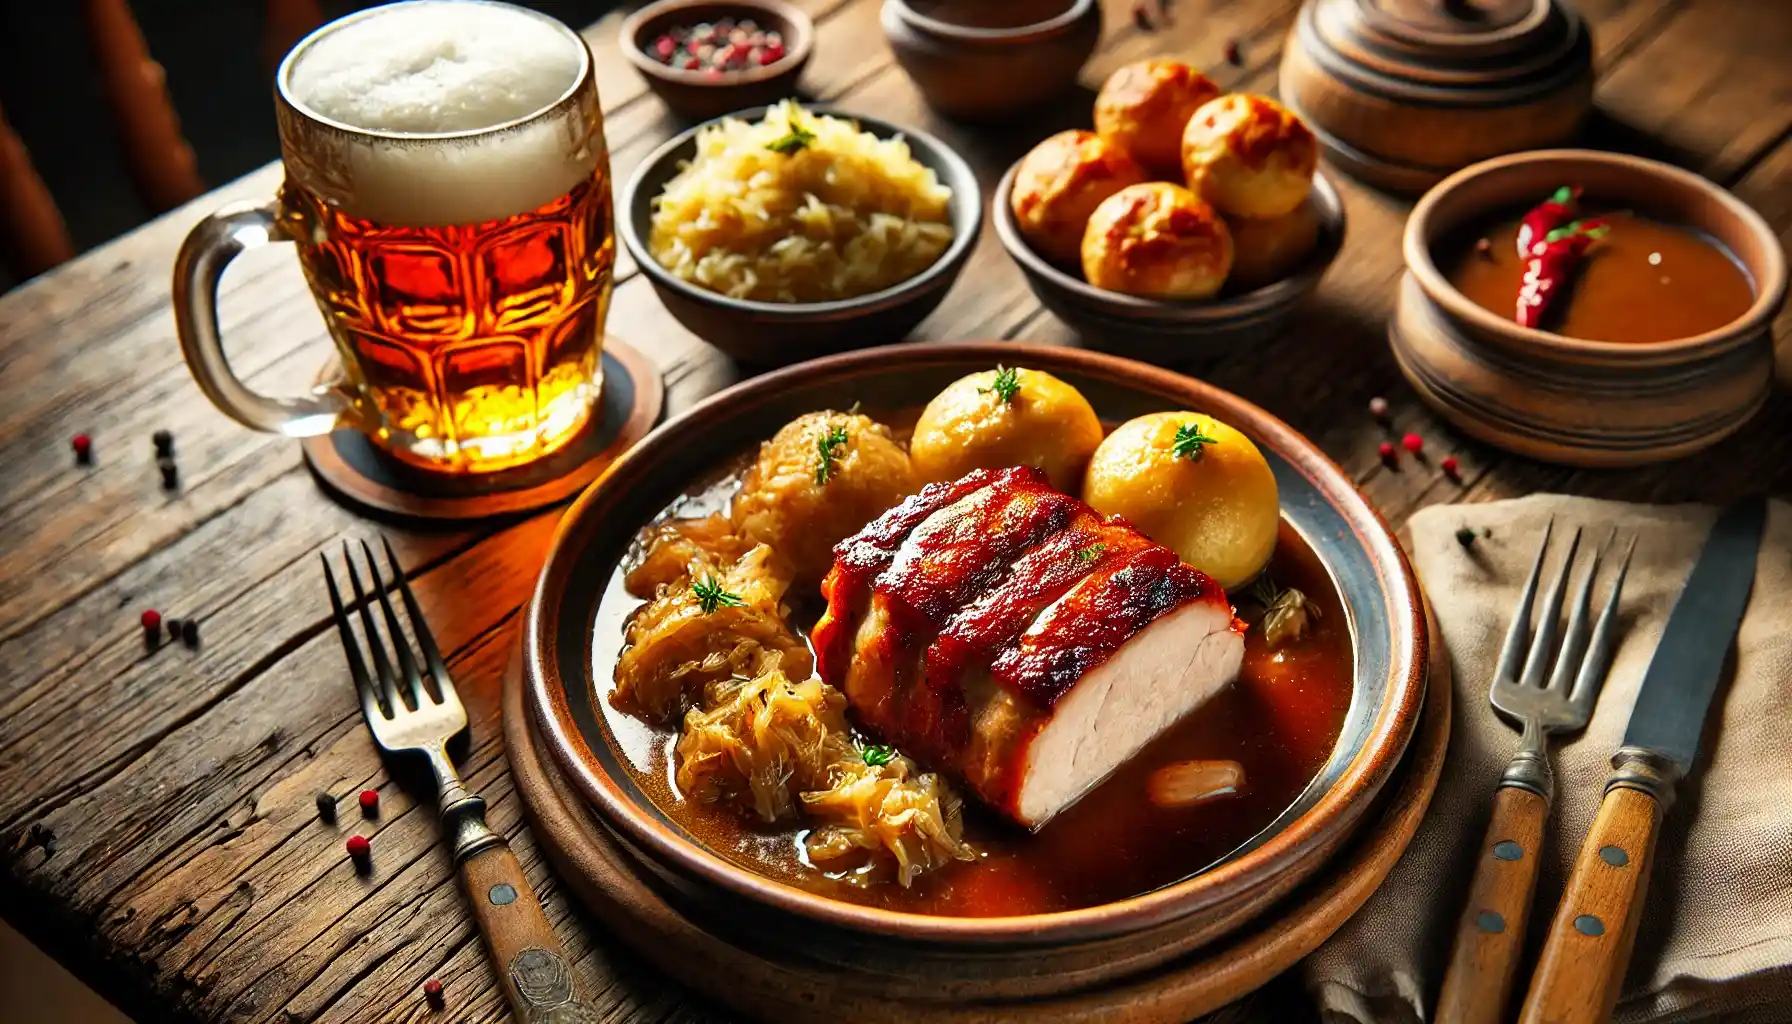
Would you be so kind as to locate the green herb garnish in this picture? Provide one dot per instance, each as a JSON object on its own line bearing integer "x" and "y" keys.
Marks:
{"x": 827, "y": 449}
{"x": 797, "y": 139}
{"x": 877, "y": 755}
{"x": 1090, "y": 553}
{"x": 1189, "y": 440}
{"x": 711, "y": 596}
{"x": 1592, "y": 229}
{"x": 1005, "y": 386}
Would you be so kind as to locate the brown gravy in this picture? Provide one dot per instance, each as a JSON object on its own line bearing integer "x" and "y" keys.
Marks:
{"x": 1644, "y": 282}
{"x": 1280, "y": 720}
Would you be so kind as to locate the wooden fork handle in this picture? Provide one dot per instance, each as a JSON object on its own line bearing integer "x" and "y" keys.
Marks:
{"x": 1490, "y": 936}
{"x": 1582, "y": 967}
{"x": 531, "y": 963}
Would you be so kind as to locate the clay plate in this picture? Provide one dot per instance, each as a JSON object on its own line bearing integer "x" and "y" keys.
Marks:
{"x": 1318, "y": 500}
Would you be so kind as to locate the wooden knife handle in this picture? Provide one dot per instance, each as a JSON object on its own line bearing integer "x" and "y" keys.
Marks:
{"x": 1582, "y": 967}
{"x": 1490, "y": 936}
{"x": 531, "y": 963}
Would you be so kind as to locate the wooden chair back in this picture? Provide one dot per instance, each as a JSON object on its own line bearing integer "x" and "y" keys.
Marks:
{"x": 159, "y": 159}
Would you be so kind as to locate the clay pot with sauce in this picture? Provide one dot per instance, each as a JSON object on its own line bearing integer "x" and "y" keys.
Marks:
{"x": 1608, "y": 383}
{"x": 984, "y": 59}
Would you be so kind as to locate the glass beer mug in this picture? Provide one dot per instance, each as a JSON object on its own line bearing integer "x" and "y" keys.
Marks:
{"x": 447, "y": 189}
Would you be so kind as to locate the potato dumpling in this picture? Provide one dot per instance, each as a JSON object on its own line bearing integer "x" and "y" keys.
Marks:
{"x": 1249, "y": 156}
{"x": 1192, "y": 484}
{"x": 817, "y": 481}
{"x": 1265, "y": 249}
{"x": 1158, "y": 240}
{"x": 1060, "y": 183}
{"x": 1144, "y": 106}
{"x": 1006, "y": 417}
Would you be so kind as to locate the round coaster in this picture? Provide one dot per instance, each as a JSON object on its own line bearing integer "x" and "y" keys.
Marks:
{"x": 770, "y": 979}
{"x": 355, "y": 471}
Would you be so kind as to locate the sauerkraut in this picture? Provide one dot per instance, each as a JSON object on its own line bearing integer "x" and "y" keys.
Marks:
{"x": 799, "y": 207}
{"x": 677, "y": 643}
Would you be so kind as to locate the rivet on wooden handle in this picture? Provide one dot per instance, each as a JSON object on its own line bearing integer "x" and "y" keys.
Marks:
{"x": 1582, "y": 967}
{"x": 1490, "y": 935}
{"x": 526, "y": 954}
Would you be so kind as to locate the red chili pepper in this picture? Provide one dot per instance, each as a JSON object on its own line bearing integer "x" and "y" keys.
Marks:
{"x": 1550, "y": 214}
{"x": 1550, "y": 265}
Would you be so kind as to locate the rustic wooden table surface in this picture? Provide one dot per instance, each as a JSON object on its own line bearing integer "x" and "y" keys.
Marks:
{"x": 156, "y": 811}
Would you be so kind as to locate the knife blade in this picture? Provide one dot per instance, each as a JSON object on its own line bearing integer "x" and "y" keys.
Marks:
{"x": 1689, "y": 660}
{"x": 1581, "y": 969}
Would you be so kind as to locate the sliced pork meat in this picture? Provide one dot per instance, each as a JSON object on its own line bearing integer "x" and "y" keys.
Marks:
{"x": 1006, "y": 633}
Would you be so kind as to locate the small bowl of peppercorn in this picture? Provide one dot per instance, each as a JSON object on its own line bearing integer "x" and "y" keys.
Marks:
{"x": 705, "y": 58}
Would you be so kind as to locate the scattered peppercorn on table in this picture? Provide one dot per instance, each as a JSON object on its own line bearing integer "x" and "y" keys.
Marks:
{"x": 177, "y": 817}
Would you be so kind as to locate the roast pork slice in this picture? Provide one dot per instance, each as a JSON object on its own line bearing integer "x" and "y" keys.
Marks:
{"x": 1008, "y": 634}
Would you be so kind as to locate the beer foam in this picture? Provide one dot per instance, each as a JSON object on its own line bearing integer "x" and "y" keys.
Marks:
{"x": 434, "y": 67}
{"x": 410, "y": 73}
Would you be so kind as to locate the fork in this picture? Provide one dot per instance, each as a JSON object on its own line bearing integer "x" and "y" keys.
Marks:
{"x": 407, "y": 714}
{"x": 1490, "y": 934}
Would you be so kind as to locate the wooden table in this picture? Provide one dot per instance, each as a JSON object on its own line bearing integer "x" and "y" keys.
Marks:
{"x": 157, "y": 810}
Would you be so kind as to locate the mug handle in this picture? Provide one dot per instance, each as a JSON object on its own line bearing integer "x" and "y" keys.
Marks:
{"x": 209, "y": 248}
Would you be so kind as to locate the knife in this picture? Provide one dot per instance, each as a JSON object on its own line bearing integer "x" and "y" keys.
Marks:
{"x": 1589, "y": 942}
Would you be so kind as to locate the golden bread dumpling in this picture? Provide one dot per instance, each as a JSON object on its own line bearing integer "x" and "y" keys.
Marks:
{"x": 1006, "y": 417}
{"x": 1060, "y": 183}
{"x": 1194, "y": 485}
{"x": 1249, "y": 156}
{"x": 819, "y": 480}
{"x": 1265, "y": 249}
{"x": 1158, "y": 240}
{"x": 1143, "y": 107}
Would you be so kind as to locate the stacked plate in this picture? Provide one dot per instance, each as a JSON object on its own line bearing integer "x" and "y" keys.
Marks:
{"x": 603, "y": 819}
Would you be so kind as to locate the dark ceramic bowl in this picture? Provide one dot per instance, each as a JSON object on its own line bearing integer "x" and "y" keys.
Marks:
{"x": 1168, "y": 330}
{"x": 697, "y": 96}
{"x": 980, "y": 72}
{"x": 775, "y": 333}
{"x": 573, "y": 627}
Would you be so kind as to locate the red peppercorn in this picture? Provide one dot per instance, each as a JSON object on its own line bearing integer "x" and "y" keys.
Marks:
{"x": 370, "y": 801}
{"x": 1450, "y": 466}
{"x": 1413, "y": 443}
{"x": 774, "y": 52}
{"x": 432, "y": 991}
{"x": 1233, "y": 56}
{"x": 359, "y": 848}
{"x": 151, "y": 619}
{"x": 83, "y": 446}
{"x": 1386, "y": 449}
{"x": 664, "y": 47}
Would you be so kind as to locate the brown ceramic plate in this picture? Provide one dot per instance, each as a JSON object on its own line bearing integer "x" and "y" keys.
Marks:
{"x": 562, "y": 683}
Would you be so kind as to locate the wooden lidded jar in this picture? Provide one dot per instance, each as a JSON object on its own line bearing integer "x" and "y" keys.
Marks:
{"x": 1403, "y": 92}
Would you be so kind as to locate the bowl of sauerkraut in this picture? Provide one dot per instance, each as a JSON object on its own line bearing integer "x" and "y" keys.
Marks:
{"x": 781, "y": 233}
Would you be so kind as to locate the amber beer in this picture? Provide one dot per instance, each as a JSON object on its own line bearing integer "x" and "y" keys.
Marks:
{"x": 448, "y": 192}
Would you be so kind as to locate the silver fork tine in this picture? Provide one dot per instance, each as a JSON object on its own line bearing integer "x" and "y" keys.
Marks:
{"x": 370, "y": 705}
{"x": 1574, "y": 642}
{"x": 1544, "y": 640}
{"x": 1512, "y": 651}
{"x": 381, "y": 667}
{"x": 1599, "y": 649}
{"x": 402, "y": 647}
{"x": 419, "y": 624}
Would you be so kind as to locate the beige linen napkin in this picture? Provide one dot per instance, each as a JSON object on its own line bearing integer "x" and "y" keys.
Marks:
{"x": 1716, "y": 936}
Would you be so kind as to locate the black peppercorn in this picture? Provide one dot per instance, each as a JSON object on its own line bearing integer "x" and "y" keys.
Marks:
{"x": 174, "y": 628}
{"x": 1465, "y": 537}
{"x": 189, "y": 632}
{"x": 326, "y": 808}
{"x": 164, "y": 442}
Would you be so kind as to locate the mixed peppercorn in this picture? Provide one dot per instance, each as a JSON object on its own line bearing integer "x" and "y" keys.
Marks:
{"x": 719, "y": 47}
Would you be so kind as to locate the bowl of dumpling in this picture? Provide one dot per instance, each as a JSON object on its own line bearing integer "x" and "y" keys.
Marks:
{"x": 1186, "y": 222}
